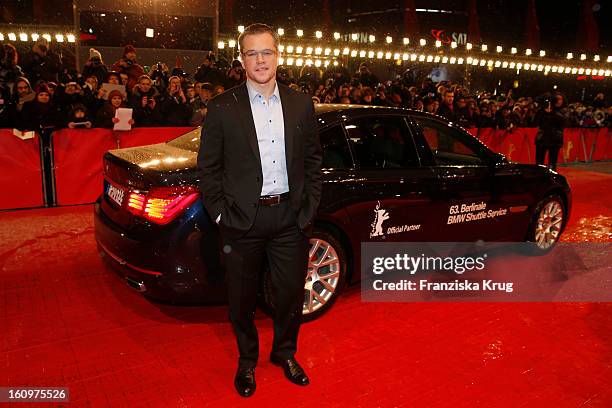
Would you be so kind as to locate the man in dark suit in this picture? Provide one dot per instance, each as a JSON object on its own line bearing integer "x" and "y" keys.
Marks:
{"x": 260, "y": 159}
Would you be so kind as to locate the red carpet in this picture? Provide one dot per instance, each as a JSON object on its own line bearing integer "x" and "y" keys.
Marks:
{"x": 67, "y": 320}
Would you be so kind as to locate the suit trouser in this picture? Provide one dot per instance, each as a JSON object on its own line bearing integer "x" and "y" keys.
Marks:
{"x": 275, "y": 233}
{"x": 553, "y": 153}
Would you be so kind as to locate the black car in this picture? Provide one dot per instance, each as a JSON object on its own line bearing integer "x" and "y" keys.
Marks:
{"x": 389, "y": 175}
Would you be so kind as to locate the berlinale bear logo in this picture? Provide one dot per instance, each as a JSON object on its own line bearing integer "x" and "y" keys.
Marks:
{"x": 380, "y": 216}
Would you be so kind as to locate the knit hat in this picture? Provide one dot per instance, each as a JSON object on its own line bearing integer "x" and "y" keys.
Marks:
{"x": 114, "y": 93}
{"x": 129, "y": 48}
{"x": 93, "y": 53}
{"x": 42, "y": 88}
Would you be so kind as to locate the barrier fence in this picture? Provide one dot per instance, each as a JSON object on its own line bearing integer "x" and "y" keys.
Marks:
{"x": 579, "y": 145}
{"x": 65, "y": 167}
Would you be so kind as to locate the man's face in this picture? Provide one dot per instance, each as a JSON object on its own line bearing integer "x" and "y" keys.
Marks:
{"x": 448, "y": 98}
{"x": 461, "y": 103}
{"x": 131, "y": 56}
{"x": 190, "y": 92}
{"x": 259, "y": 56}
{"x": 124, "y": 79}
{"x": 22, "y": 88}
{"x": 113, "y": 80}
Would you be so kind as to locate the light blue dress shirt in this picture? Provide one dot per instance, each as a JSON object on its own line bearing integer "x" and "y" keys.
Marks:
{"x": 270, "y": 128}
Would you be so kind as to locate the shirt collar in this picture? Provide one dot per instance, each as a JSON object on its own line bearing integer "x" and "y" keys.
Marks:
{"x": 254, "y": 94}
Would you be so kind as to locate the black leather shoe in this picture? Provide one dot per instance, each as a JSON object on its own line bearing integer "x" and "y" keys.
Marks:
{"x": 293, "y": 371}
{"x": 245, "y": 381}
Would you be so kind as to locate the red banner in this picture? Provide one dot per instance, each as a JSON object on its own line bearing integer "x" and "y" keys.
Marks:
{"x": 601, "y": 145}
{"x": 78, "y": 163}
{"x": 579, "y": 145}
{"x": 147, "y": 136}
{"x": 78, "y": 157}
{"x": 20, "y": 172}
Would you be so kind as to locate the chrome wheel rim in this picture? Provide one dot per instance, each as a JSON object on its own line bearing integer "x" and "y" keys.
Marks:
{"x": 549, "y": 225}
{"x": 323, "y": 275}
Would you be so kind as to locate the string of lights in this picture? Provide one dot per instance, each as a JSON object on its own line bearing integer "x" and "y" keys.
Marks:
{"x": 308, "y": 53}
{"x": 34, "y": 36}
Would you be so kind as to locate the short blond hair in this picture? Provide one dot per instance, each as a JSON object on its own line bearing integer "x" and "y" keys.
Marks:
{"x": 258, "y": 28}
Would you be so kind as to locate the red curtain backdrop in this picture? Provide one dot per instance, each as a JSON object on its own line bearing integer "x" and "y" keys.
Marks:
{"x": 228, "y": 15}
{"x": 588, "y": 31}
{"x": 532, "y": 28}
{"x": 411, "y": 23}
{"x": 327, "y": 19}
{"x": 474, "y": 25}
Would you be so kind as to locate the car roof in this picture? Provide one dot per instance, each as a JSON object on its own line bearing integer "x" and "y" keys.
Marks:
{"x": 332, "y": 112}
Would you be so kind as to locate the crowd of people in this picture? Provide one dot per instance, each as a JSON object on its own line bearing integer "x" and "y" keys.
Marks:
{"x": 37, "y": 91}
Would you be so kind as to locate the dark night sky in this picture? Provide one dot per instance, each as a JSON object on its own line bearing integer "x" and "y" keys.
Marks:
{"x": 501, "y": 21}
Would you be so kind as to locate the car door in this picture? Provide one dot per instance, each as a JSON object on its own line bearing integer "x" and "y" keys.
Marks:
{"x": 391, "y": 192}
{"x": 467, "y": 204}
{"x": 338, "y": 174}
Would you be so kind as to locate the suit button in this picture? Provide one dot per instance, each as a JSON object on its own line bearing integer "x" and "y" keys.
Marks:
{"x": 257, "y": 179}
{"x": 253, "y": 205}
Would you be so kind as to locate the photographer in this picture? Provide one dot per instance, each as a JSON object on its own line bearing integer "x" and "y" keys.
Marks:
{"x": 159, "y": 74}
{"x": 95, "y": 66}
{"x": 9, "y": 70}
{"x": 208, "y": 72}
{"x": 78, "y": 117}
{"x": 173, "y": 106}
{"x": 549, "y": 138}
{"x": 41, "y": 63}
{"x": 143, "y": 101}
{"x": 128, "y": 65}
{"x": 235, "y": 75}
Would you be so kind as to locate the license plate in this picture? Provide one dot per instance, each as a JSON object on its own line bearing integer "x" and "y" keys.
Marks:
{"x": 115, "y": 194}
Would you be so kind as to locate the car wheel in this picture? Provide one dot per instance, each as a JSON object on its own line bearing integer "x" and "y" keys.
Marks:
{"x": 325, "y": 277}
{"x": 547, "y": 223}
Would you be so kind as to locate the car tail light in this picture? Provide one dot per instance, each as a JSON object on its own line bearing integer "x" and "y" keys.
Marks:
{"x": 136, "y": 203}
{"x": 162, "y": 204}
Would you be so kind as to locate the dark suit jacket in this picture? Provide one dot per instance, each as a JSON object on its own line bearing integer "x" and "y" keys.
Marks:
{"x": 231, "y": 174}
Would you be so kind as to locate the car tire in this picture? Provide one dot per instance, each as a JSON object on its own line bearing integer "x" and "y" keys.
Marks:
{"x": 547, "y": 222}
{"x": 323, "y": 282}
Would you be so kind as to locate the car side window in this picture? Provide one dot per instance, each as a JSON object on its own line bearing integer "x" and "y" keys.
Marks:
{"x": 382, "y": 142}
{"x": 336, "y": 152}
{"x": 448, "y": 145}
